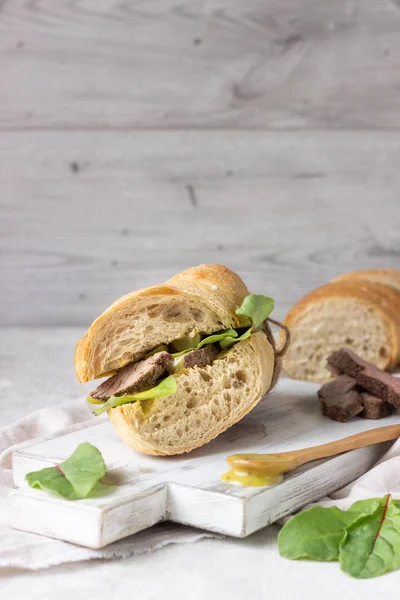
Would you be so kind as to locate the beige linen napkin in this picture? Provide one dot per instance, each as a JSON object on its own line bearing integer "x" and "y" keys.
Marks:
{"x": 29, "y": 551}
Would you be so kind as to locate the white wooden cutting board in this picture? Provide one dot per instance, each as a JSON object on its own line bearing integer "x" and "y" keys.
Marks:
{"x": 187, "y": 489}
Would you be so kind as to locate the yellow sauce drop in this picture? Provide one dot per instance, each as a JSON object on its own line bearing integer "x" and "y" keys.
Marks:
{"x": 251, "y": 479}
{"x": 258, "y": 469}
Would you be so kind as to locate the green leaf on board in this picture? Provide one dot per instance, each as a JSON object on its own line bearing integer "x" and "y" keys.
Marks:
{"x": 84, "y": 468}
{"x": 75, "y": 478}
{"x": 51, "y": 480}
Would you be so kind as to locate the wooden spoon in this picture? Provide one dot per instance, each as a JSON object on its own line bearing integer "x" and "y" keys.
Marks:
{"x": 268, "y": 469}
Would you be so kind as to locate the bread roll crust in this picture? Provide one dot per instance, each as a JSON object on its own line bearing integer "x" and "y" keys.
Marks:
{"x": 381, "y": 298}
{"x": 201, "y": 299}
{"x": 207, "y": 402}
{"x": 387, "y": 276}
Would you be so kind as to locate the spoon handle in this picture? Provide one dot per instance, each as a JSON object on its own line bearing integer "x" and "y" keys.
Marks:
{"x": 358, "y": 440}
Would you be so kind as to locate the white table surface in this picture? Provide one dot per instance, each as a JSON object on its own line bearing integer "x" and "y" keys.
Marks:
{"x": 36, "y": 371}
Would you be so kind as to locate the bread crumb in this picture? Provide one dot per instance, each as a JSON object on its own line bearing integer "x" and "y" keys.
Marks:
{"x": 214, "y": 287}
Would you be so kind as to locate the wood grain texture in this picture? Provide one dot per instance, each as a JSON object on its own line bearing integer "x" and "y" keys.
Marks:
{"x": 203, "y": 64}
{"x": 85, "y": 218}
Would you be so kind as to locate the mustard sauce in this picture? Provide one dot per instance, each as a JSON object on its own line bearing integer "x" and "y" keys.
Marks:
{"x": 258, "y": 469}
{"x": 249, "y": 478}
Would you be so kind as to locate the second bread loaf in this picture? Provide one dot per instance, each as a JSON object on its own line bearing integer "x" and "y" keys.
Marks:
{"x": 357, "y": 314}
{"x": 389, "y": 277}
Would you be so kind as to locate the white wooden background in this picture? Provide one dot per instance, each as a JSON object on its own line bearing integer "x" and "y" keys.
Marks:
{"x": 139, "y": 138}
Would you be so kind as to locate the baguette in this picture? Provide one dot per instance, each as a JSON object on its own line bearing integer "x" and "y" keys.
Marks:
{"x": 208, "y": 399}
{"x": 357, "y": 314}
{"x": 387, "y": 276}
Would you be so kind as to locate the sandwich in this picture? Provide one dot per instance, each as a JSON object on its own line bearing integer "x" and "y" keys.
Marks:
{"x": 183, "y": 361}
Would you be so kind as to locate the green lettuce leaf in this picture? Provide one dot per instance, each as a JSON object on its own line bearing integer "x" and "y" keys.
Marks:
{"x": 257, "y": 308}
{"x": 361, "y": 508}
{"x": 186, "y": 342}
{"x": 165, "y": 388}
{"x": 228, "y": 341}
{"x": 84, "y": 468}
{"x": 365, "y": 539}
{"x": 371, "y": 545}
{"x": 51, "y": 480}
{"x": 217, "y": 337}
{"x": 75, "y": 478}
{"x": 316, "y": 533}
{"x": 211, "y": 339}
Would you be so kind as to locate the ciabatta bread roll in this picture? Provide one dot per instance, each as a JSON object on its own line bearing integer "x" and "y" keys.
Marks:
{"x": 216, "y": 385}
{"x": 357, "y": 314}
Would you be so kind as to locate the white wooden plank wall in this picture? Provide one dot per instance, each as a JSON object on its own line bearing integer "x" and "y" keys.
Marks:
{"x": 139, "y": 138}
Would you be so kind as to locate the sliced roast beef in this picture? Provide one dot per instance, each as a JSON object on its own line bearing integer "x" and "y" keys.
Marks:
{"x": 202, "y": 357}
{"x": 375, "y": 408}
{"x": 134, "y": 377}
{"x": 375, "y": 381}
{"x": 340, "y": 399}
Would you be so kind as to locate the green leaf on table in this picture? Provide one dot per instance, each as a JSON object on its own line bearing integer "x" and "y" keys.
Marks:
{"x": 362, "y": 508}
{"x": 314, "y": 533}
{"x": 166, "y": 387}
{"x": 257, "y": 308}
{"x": 365, "y": 538}
{"x": 371, "y": 545}
{"x": 73, "y": 479}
